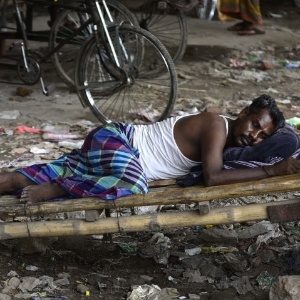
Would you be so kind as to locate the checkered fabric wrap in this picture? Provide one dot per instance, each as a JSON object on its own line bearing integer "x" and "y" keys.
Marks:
{"x": 106, "y": 166}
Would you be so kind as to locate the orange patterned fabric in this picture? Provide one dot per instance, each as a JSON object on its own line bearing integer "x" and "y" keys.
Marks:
{"x": 247, "y": 10}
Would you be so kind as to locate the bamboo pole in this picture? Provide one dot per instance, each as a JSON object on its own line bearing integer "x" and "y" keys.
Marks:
{"x": 169, "y": 195}
{"x": 153, "y": 222}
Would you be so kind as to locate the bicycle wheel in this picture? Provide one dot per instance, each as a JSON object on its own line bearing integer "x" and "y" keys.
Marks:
{"x": 169, "y": 28}
{"x": 64, "y": 26}
{"x": 134, "y": 92}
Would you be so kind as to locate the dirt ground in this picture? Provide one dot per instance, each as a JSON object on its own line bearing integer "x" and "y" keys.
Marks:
{"x": 219, "y": 72}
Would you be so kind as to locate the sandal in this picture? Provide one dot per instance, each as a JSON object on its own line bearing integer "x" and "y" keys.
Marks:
{"x": 238, "y": 26}
{"x": 251, "y": 31}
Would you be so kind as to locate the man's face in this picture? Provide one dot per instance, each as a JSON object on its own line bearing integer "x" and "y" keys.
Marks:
{"x": 252, "y": 129}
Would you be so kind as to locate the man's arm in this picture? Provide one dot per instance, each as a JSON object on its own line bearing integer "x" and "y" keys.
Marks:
{"x": 214, "y": 174}
{"x": 212, "y": 144}
{"x": 286, "y": 166}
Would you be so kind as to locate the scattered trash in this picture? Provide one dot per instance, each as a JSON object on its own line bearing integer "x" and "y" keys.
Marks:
{"x": 265, "y": 280}
{"x": 292, "y": 64}
{"x": 31, "y": 268}
{"x": 262, "y": 239}
{"x": 265, "y": 65}
{"x": 71, "y": 144}
{"x": 127, "y": 248}
{"x": 148, "y": 114}
{"x": 238, "y": 63}
{"x": 218, "y": 249}
{"x": 193, "y": 251}
{"x": 26, "y": 129}
{"x": 59, "y": 133}
{"x": 195, "y": 276}
{"x": 157, "y": 247}
{"x": 61, "y": 136}
{"x": 37, "y": 150}
{"x": 294, "y": 121}
{"x": 152, "y": 292}
{"x": 275, "y": 16}
{"x": 82, "y": 289}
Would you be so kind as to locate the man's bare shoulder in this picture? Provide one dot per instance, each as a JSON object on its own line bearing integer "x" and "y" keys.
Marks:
{"x": 203, "y": 118}
{"x": 199, "y": 124}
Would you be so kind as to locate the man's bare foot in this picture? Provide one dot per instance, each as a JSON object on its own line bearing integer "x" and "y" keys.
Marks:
{"x": 42, "y": 192}
{"x": 13, "y": 181}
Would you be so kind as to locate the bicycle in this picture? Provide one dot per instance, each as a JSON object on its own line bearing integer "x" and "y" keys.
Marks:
{"x": 132, "y": 67}
{"x": 64, "y": 59}
{"x": 143, "y": 82}
{"x": 166, "y": 20}
{"x": 63, "y": 27}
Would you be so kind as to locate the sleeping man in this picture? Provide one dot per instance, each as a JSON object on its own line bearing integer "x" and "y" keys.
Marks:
{"x": 120, "y": 159}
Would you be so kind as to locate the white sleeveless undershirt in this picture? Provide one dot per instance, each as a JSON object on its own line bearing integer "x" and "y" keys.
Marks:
{"x": 160, "y": 156}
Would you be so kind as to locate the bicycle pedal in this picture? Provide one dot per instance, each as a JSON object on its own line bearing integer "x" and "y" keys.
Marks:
{"x": 15, "y": 46}
{"x": 162, "y": 5}
{"x": 49, "y": 89}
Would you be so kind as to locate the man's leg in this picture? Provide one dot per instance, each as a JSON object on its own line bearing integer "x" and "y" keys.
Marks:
{"x": 12, "y": 181}
{"x": 42, "y": 192}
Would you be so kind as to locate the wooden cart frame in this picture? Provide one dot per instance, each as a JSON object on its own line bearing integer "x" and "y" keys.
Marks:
{"x": 164, "y": 192}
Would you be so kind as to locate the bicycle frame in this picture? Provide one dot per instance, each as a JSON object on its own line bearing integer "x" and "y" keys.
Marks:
{"x": 33, "y": 35}
{"x": 96, "y": 19}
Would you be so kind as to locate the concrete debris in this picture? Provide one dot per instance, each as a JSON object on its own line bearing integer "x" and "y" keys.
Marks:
{"x": 285, "y": 288}
{"x": 256, "y": 230}
{"x": 242, "y": 285}
{"x": 4, "y": 297}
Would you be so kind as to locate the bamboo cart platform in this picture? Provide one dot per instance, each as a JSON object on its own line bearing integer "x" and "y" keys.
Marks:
{"x": 164, "y": 192}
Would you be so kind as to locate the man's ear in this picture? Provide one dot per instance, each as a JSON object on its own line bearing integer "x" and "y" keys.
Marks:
{"x": 244, "y": 112}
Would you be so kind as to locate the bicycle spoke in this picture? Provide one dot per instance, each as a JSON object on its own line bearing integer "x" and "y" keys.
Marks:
{"x": 170, "y": 29}
{"x": 143, "y": 89}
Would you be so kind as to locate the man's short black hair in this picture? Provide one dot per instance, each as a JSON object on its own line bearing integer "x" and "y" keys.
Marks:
{"x": 267, "y": 102}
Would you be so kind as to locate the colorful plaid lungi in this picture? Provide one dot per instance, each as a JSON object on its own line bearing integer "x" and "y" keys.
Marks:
{"x": 247, "y": 10}
{"x": 106, "y": 166}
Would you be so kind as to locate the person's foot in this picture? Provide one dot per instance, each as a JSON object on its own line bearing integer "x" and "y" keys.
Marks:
{"x": 42, "y": 192}
{"x": 251, "y": 31}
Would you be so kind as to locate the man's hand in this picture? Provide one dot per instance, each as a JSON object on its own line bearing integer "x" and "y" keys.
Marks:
{"x": 286, "y": 166}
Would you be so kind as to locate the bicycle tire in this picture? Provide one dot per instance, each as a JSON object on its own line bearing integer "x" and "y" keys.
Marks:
{"x": 64, "y": 59}
{"x": 170, "y": 28}
{"x": 137, "y": 94}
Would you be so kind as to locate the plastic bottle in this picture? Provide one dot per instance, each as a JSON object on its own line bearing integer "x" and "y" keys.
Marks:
{"x": 294, "y": 121}
{"x": 60, "y": 136}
